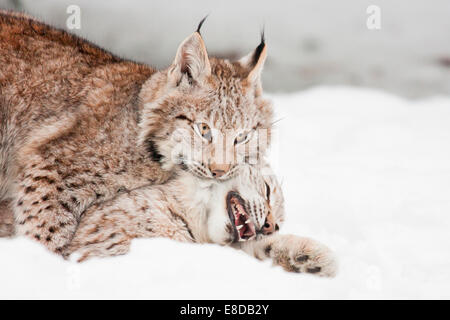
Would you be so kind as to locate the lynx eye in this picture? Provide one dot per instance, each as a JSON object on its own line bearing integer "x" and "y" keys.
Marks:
{"x": 203, "y": 130}
{"x": 242, "y": 137}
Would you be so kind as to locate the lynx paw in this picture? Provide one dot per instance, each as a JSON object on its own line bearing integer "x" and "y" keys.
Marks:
{"x": 297, "y": 254}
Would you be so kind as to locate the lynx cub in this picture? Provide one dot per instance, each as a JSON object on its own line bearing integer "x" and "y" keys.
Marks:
{"x": 243, "y": 212}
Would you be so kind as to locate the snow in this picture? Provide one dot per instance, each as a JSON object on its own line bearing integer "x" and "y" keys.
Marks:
{"x": 365, "y": 172}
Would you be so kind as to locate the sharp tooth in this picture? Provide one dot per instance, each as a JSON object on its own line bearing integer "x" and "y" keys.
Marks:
{"x": 248, "y": 221}
{"x": 239, "y": 227}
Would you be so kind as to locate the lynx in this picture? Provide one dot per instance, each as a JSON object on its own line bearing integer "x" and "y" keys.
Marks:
{"x": 243, "y": 212}
{"x": 89, "y": 139}
{"x": 80, "y": 125}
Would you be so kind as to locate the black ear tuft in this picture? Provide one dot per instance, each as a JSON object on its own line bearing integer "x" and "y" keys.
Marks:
{"x": 200, "y": 24}
{"x": 263, "y": 37}
{"x": 259, "y": 48}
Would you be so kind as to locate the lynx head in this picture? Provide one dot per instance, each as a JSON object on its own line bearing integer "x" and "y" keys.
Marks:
{"x": 206, "y": 115}
{"x": 246, "y": 207}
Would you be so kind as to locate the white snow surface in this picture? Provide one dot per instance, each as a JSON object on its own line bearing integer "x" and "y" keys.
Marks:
{"x": 365, "y": 172}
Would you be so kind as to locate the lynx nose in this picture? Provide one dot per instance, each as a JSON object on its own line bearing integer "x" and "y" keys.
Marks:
{"x": 269, "y": 225}
{"x": 219, "y": 170}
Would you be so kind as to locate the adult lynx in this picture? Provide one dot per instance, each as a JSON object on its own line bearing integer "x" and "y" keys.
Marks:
{"x": 80, "y": 125}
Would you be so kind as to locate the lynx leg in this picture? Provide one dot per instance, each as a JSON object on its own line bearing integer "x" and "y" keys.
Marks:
{"x": 6, "y": 219}
{"x": 107, "y": 229}
{"x": 40, "y": 211}
{"x": 294, "y": 254}
{"x": 109, "y": 241}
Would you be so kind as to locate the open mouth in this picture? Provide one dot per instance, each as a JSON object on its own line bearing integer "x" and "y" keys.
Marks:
{"x": 244, "y": 229}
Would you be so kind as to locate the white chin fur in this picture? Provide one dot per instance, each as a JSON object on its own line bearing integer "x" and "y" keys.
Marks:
{"x": 217, "y": 228}
{"x": 218, "y": 215}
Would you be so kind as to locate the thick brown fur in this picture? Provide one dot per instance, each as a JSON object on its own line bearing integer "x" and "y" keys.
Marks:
{"x": 63, "y": 103}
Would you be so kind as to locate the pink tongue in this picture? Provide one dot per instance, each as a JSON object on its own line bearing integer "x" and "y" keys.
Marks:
{"x": 245, "y": 231}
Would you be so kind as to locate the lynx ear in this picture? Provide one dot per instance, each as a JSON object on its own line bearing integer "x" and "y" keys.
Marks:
{"x": 254, "y": 63}
{"x": 191, "y": 60}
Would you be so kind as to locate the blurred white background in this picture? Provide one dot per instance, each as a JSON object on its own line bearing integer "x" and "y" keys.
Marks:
{"x": 310, "y": 42}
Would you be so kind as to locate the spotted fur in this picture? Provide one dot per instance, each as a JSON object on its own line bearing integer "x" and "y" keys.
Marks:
{"x": 294, "y": 254}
